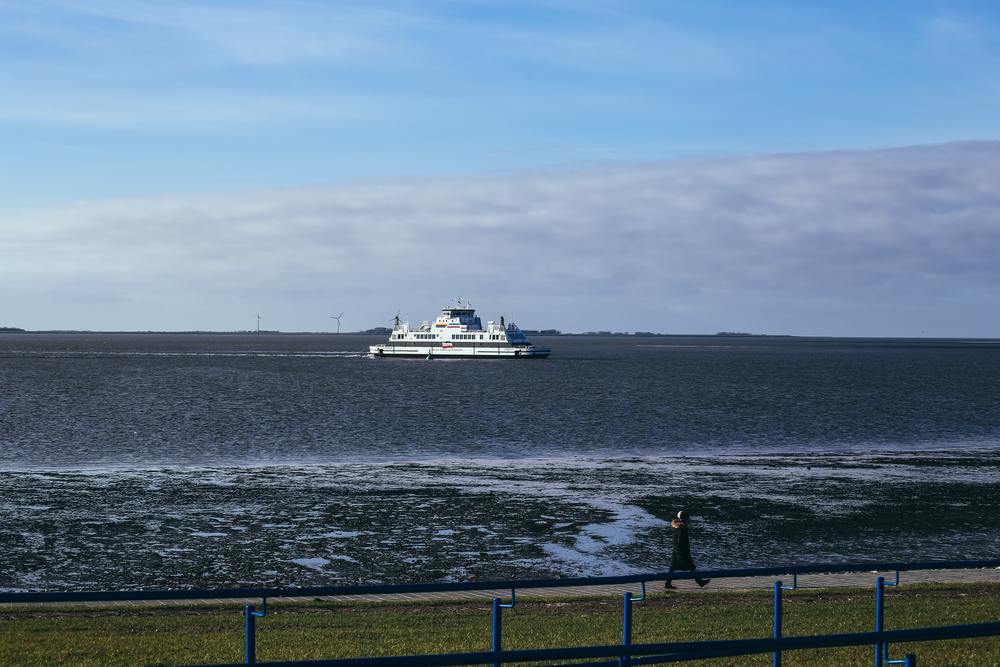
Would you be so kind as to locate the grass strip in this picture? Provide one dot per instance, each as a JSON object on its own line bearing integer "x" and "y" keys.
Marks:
{"x": 192, "y": 634}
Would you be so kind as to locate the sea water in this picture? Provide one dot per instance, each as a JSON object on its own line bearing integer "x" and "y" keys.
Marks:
{"x": 150, "y": 460}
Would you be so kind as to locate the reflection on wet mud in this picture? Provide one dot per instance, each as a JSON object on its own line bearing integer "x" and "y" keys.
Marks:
{"x": 457, "y": 520}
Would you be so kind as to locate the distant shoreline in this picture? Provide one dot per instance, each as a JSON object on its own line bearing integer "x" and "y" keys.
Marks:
{"x": 529, "y": 332}
{"x": 595, "y": 334}
{"x": 382, "y": 331}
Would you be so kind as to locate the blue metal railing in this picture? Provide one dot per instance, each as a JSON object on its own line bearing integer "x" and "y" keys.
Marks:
{"x": 647, "y": 654}
{"x": 778, "y": 587}
{"x": 624, "y": 654}
{"x": 498, "y": 607}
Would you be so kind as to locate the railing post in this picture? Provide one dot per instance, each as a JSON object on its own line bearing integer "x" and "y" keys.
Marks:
{"x": 497, "y": 627}
{"x": 879, "y": 619}
{"x": 776, "y": 656}
{"x": 911, "y": 660}
{"x": 624, "y": 660}
{"x": 252, "y": 614}
{"x": 251, "y": 634}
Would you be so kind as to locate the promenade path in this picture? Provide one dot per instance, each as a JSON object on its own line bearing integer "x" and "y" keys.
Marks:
{"x": 808, "y": 581}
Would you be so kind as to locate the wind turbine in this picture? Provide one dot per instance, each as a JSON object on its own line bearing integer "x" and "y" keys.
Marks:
{"x": 337, "y": 317}
{"x": 258, "y": 324}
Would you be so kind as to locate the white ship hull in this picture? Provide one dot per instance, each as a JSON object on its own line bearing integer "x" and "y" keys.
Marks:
{"x": 438, "y": 352}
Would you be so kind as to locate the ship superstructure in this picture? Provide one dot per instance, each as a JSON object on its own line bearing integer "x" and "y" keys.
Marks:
{"x": 458, "y": 333}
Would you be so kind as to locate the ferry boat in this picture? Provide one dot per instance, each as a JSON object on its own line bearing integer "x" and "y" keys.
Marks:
{"x": 458, "y": 333}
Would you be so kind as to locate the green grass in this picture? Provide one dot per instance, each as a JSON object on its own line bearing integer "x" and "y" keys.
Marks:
{"x": 191, "y": 635}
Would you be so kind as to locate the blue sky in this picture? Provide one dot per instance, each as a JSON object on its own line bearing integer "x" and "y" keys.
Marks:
{"x": 132, "y": 106}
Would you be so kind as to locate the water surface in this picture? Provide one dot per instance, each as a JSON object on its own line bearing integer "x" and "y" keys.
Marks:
{"x": 214, "y": 460}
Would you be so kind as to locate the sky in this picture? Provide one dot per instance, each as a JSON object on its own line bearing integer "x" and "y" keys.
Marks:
{"x": 685, "y": 167}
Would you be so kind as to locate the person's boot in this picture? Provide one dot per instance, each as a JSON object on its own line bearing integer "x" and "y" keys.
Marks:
{"x": 702, "y": 582}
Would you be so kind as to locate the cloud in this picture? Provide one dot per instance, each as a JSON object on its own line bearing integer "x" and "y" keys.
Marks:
{"x": 259, "y": 34}
{"x": 141, "y": 65}
{"x": 888, "y": 242}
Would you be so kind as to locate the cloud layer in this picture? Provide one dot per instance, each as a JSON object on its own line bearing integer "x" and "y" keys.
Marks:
{"x": 888, "y": 242}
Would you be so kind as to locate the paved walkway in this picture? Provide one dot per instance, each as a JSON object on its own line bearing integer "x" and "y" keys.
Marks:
{"x": 808, "y": 581}
{"x": 842, "y": 580}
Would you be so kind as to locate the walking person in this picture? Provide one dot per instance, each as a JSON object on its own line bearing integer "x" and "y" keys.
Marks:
{"x": 681, "y": 557}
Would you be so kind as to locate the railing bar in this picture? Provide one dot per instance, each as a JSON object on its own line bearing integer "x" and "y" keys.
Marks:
{"x": 669, "y": 652}
{"x": 649, "y": 659}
